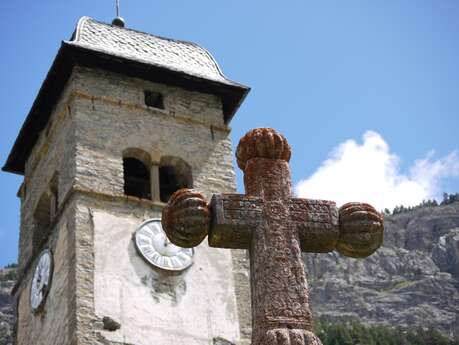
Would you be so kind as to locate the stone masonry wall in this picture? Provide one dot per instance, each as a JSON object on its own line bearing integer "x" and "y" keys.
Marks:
{"x": 110, "y": 117}
{"x": 99, "y": 115}
{"x": 54, "y": 152}
{"x": 190, "y": 307}
{"x": 53, "y": 324}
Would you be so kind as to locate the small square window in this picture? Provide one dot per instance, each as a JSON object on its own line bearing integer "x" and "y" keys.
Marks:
{"x": 154, "y": 99}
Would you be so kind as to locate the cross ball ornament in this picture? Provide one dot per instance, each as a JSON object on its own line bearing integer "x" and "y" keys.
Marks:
{"x": 275, "y": 228}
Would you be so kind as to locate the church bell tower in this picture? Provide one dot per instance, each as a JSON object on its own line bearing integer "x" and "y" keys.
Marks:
{"x": 122, "y": 120}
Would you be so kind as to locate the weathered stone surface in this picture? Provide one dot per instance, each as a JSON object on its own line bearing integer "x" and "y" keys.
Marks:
{"x": 46, "y": 327}
{"x": 189, "y": 215}
{"x": 236, "y": 215}
{"x": 110, "y": 324}
{"x": 98, "y": 117}
{"x": 156, "y": 304}
{"x": 445, "y": 253}
{"x": 221, "y": 341}
{"x": 53, "y": 152}
{"x": 360, "y": 230}
{"x": 284, "y": 336}
{"x": 317, "y": 224}
{"x": 241, "y": 273}
{"x": 262, "y": 143}
{"x": 411, "y": 281}
{"x": 7, "y": 280}
{"x": 268, "y": 222}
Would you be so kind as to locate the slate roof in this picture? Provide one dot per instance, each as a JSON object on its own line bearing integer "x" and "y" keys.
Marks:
{"x": 133, "y": 53}
{"x": 174, "y": 55}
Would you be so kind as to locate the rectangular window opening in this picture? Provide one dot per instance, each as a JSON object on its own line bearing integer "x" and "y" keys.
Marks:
{"x": 154, "y": 99}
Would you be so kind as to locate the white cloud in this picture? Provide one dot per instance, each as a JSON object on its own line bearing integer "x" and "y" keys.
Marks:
{"x": 371, "y": 173}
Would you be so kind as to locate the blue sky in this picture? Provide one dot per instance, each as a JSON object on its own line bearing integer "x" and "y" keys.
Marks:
{"x": 365, "y": 91}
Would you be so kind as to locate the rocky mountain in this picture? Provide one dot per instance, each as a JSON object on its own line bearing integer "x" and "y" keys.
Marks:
{"x": 7, "y": 278}
{"x": 412, "y": 281}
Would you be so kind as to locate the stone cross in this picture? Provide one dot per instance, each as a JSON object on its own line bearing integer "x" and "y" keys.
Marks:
{"x": 275, "y": 228}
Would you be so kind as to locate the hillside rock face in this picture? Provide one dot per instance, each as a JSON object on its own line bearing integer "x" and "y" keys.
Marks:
{"x": 411, "y": 281}
{"x": 7, "y": 277}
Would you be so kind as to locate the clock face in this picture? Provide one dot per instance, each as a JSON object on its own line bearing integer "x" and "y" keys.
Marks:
{"x": 41, "y": 281}
{"x": 154, "y": 246}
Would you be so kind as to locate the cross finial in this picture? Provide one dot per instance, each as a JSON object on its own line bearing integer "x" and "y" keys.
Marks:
{"x": 262, "y": 143}
{"x": 118, "y": 21}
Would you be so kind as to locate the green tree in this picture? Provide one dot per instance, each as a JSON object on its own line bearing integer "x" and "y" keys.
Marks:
{"x": 354, "y": 333}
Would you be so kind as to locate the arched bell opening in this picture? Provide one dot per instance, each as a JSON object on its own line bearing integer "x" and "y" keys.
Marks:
{"x": 44, "y": 215}
{"x": 136, "y": 173}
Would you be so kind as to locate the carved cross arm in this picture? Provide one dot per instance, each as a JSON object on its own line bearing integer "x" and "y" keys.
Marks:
{"x": 355, "y": 230}
{"x": 316, "y": 222}
{"x": 228, "y": 219}
{"x": 234, "y": 216}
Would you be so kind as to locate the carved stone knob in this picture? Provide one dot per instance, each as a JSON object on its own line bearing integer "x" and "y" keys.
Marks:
{"x": 284, "y": 336}
{"x": 186, "y": 218}
{"x": 361, "y": 230}
{"x": 262, "y": 143}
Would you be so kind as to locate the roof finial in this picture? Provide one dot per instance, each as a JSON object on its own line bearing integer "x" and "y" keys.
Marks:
{"x": 118, "y": 21}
